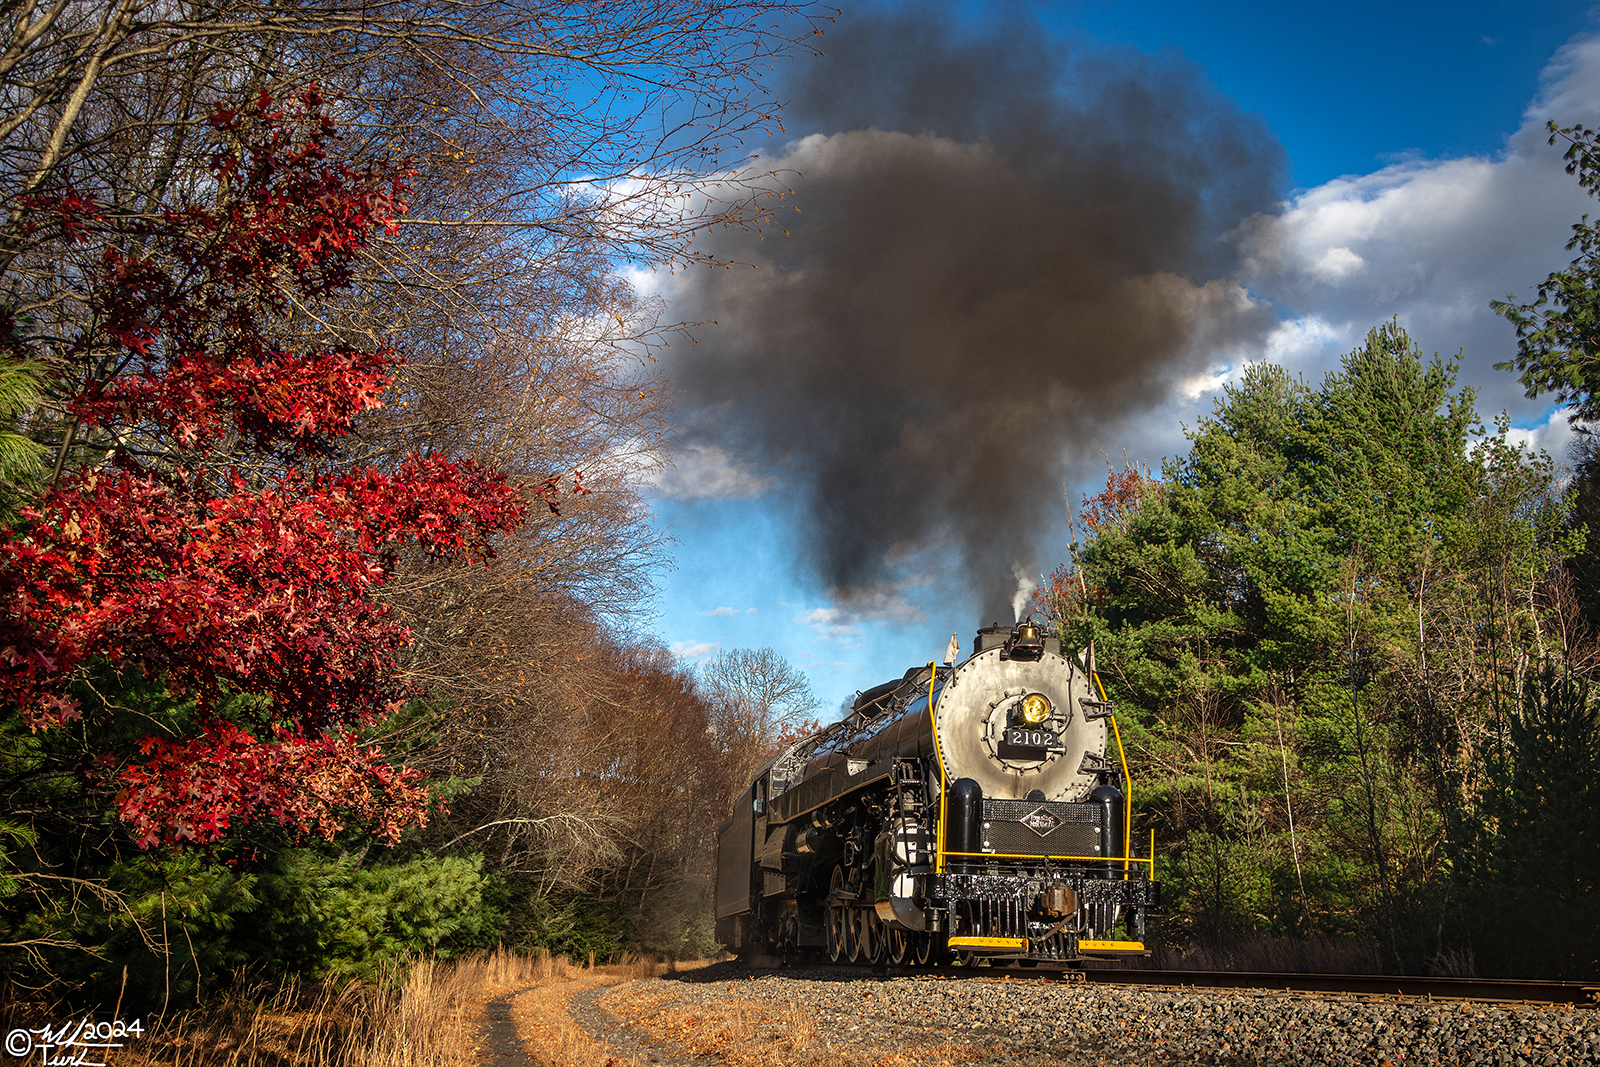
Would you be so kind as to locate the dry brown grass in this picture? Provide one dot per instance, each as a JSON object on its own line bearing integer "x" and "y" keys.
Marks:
{"x": 426, "y": 1014}
{"x": 430, "y": 1015}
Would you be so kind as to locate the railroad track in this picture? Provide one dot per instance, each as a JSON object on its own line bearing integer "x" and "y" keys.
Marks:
{"x": 1484, "y": 989}
{"x": 1487, "y": 990}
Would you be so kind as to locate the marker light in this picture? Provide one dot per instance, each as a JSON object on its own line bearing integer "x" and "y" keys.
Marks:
{"x": 1035, "y": 709}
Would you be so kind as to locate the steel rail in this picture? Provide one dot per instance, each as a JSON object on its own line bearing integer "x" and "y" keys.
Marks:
{"x": 1486, "y": 989}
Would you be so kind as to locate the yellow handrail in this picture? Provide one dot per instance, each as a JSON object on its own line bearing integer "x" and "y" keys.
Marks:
{"x": 1127, "y": 781}
{"x": 1040, "y": 856}
{"x": 938, "y": 848}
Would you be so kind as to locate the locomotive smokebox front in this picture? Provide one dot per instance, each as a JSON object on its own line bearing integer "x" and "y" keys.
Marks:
{"x": 1020, "y": 719}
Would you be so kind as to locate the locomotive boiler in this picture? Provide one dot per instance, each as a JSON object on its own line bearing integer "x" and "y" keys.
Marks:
{"x": 977, "y": 809}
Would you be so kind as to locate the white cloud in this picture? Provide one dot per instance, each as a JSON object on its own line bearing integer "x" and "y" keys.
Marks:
{"x": 831, "y": 624}
{"x": 1336, "y": 263}
{"x": 1300, "y": 341}
{"x": 1570, "y": 84}
{"x": 706, "y": 472}
{"x": 695, "y": 650}
{"x": 853, "y": 608}
{"x": 1296, "y": 343}
{"x": 1208, "y": 381}
{"x": 1432, "y": 242}
{"x": 1554, "y": 436}
{"x": 724, "y": 611}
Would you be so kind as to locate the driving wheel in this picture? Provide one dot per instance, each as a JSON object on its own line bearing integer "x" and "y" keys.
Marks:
{"x": 899, "y": 945}
{"x": 871, "y": 936}
{"x": 837, "y": 917}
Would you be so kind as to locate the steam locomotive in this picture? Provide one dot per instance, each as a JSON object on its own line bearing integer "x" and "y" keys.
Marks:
{"x": 969, "y": 810}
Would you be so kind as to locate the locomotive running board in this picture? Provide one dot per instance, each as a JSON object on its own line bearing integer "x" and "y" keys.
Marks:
{"x": 1110, "y": 946}
{"x": 1020, "y": 944}
{"x": 1009, "y": 944}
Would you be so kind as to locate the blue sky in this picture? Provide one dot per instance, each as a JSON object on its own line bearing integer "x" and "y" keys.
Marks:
{"x": 1349, "y": 87}
{"x": 1418, "y": 185}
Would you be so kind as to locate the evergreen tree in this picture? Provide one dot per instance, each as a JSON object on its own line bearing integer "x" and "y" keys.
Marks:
{"x": 1308, "y": 618}
{"x": 1535, "y": 856}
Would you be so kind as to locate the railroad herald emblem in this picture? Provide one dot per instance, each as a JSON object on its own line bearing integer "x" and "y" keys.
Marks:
{"x": 1040, "y": 821}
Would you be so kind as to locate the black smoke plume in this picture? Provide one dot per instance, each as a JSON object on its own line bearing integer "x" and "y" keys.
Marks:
{"x": 1005, "y": 248}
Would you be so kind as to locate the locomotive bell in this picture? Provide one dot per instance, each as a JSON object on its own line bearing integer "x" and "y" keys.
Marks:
{"x": 1026, "y": 640}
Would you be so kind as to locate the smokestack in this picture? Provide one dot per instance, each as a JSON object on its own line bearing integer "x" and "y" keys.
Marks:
{"x": 1006, "y": 250}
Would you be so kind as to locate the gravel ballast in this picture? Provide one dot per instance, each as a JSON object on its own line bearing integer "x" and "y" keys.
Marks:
{"x": 1009, "y": 1021}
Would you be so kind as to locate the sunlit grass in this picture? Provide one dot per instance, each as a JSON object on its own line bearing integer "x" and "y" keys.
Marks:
{"x": 423, "y": 1014}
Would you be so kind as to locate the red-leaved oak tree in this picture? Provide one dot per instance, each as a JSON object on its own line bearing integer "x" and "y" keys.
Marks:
{"x": 161, "y": 552}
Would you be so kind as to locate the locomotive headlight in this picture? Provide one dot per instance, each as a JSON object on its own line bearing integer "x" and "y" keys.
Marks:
{"x": 1035, "y": 709}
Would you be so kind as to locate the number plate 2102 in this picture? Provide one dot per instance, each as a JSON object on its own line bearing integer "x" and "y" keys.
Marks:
{"x": 1022, "y": 737}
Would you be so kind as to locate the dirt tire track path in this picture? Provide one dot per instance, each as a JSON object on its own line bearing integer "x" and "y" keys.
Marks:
{"x": 588, "y": 1010}
{"x": 500, "y": 1044}
{"x": 565, "y": 1022}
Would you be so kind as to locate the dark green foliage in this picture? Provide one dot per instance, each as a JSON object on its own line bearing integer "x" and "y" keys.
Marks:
{"x": 1532, "y": 866}
{"x": 675, "y": 920}
{"x": 330, "y": 916}
{"x": 1584, "y": 565}
{"x": 79, "y": 904}
{"x": 1558, "y": 334}
{"x": 1306, "y": 624}
{"x": 569, "y": 925}
{"x": 1225, "y": 573}
{"x": 181, "y": 929}
{"x": 149, "y": 930}
{"x": 182, "y": 925}
{"x": 678, "y": 922}
{"x": 22, "y": 460}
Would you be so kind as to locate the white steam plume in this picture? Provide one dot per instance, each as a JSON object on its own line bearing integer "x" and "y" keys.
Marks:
{"x": 1025, "y": 588}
